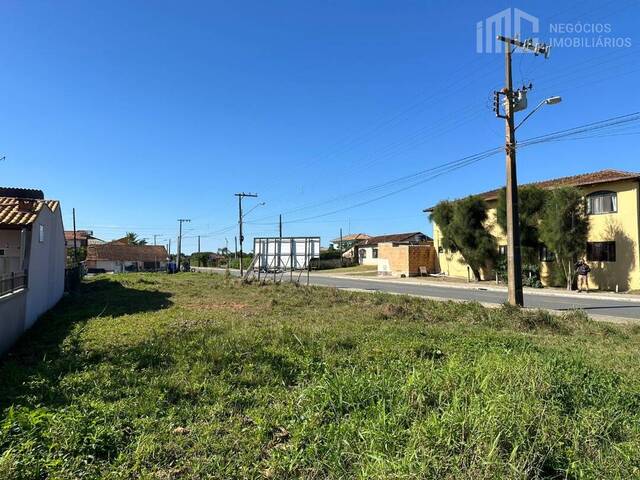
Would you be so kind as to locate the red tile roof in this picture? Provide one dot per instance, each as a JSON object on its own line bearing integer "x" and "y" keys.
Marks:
{"x": 80, "y": 235}
{"x": 582, "y": 180}
{"x": 12, "y": 214}
{"x": 394, "y": 237}
{"x": 123, "y": 252}
{"x": 353, "y": 236}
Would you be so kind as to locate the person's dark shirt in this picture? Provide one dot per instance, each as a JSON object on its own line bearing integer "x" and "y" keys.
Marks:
{"x": 582, "y": 268}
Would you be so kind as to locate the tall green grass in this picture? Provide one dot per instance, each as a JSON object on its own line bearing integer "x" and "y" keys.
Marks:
{"x": 196, "y": 376}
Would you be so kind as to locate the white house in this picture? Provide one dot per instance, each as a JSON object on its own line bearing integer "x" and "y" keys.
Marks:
{"x": 119, "y": 257}
{"x": 32, "y": 260}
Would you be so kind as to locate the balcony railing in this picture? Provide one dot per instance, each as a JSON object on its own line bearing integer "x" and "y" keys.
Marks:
{"x": 12, "y": 282}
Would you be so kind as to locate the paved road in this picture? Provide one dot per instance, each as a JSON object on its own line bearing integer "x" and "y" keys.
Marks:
{"x": 623, "y": 310}
{"x": 613, "y": 308}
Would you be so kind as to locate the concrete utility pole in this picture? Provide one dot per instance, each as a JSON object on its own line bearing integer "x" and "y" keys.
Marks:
{"x": 240, "y": 196}
{"x": 514, "y": 101}
{"x": 180, "y": 222}
{"x": 198, "y": 243}
{"x": 155, "y": 236}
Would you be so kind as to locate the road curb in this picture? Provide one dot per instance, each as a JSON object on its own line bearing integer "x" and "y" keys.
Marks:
{"x": 541, "y": 292}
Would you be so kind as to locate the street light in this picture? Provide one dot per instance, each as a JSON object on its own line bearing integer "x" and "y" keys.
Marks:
{"x": 546, "y": 101}
{"x": 261, "y": 204}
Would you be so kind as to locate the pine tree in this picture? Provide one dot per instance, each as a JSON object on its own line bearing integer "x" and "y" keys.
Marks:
{"x": 462, "y": 224}
{"x": 564, "y": 228}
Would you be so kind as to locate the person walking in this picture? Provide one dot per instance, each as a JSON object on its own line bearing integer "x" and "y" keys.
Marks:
{"x": 583, "y": 269}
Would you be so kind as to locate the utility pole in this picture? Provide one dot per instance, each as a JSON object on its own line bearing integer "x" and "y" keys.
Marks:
{"x": 169, "y": 249}
{"x": 513, "y": 102}
{"x": 155, "y": 236}
{"x": 280, "y": 227}
{"x": 180, "y": 222}
{"x": 75, "y": 239}
{"x": 341, "y": 246}
{"x": 198, "y": 243}
{"x": 240, "y": 197}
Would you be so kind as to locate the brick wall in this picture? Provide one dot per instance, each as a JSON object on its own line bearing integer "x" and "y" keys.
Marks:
{"x": 422, "y": 256}
{"x": 407, "y": 259}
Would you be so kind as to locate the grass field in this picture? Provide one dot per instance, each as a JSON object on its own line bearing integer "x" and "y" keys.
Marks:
{"x": 194, "y": 376}
{"x": 355, "y": 270}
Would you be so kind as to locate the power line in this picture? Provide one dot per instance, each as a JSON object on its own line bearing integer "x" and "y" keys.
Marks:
{"x": 465, "y": 161}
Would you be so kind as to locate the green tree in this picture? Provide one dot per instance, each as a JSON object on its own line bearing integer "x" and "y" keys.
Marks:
{"x": 133, "y": 239}
{"x": 462, "y": 224}
{"x": 531, "y": 200}
{"x": 564, "y": 228}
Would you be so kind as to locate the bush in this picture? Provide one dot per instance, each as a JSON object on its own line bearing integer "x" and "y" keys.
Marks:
{"x": 530, "y": 273}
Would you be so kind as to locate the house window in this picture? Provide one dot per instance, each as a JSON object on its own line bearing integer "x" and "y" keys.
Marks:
{"x": 601, "y": 251}
{"x": 41, "y": 233}
{"x": 374, "y": 253}
{"x": 362, "y": 253}
{"x": 502, "y": 250}
{"x": 602, "y": 202}
{"x": 546, "y": 255}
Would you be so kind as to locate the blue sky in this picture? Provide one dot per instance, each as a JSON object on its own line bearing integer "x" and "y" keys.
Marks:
{"x": 139, "y": 113}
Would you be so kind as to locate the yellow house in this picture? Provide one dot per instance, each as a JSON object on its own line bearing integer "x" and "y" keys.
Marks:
{"x": 612, "y": 250}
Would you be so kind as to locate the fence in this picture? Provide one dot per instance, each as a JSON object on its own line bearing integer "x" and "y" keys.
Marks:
{"x": 73, "y": 277}
{"x": 11, "y": 283}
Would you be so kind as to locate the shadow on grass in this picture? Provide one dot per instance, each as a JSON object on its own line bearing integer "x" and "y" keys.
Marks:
{"x": 39, "y": 354}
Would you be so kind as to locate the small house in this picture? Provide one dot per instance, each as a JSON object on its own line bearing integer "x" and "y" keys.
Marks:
{"x": 368, "y": 251}
{"x": 32, "y": 260}
{"x": 121, "y": 257}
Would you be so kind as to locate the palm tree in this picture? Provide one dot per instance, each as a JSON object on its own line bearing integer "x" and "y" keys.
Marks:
{"x": 133, "y": 239}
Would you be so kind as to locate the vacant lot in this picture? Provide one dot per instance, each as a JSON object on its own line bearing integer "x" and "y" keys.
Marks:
{"x": 195, "y": 376}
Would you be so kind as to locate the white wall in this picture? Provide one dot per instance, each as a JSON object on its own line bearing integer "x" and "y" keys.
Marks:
{"x": 120, "y": 266}
{"x": 12, "y": 310}
{"x": 46, "y": 262}
{"x": 368, "y": 260}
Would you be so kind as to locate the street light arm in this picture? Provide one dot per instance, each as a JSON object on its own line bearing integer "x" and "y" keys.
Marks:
{"x": 531, "y": 113}
{"x": 546, "y": 101}
{"x": 252, "y": 209}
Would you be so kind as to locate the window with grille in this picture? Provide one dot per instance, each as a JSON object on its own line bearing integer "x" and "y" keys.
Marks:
{"x": 374, "y": 253}
{"x": 546, "y": 255}
{"x": 601, "y": 251}
{"x": 602, "y": 202}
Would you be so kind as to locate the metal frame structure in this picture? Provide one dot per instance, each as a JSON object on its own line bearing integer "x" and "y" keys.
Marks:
{"x": 278, "y": 255}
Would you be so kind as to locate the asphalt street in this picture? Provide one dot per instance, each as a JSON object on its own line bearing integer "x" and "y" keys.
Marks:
{"x": 613, "y": 308}
{"x": 620, "y": 309}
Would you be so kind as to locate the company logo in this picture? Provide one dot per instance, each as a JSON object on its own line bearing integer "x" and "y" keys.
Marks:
{"x": 516, "y": 23}
{"x": 510, "y": 22}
